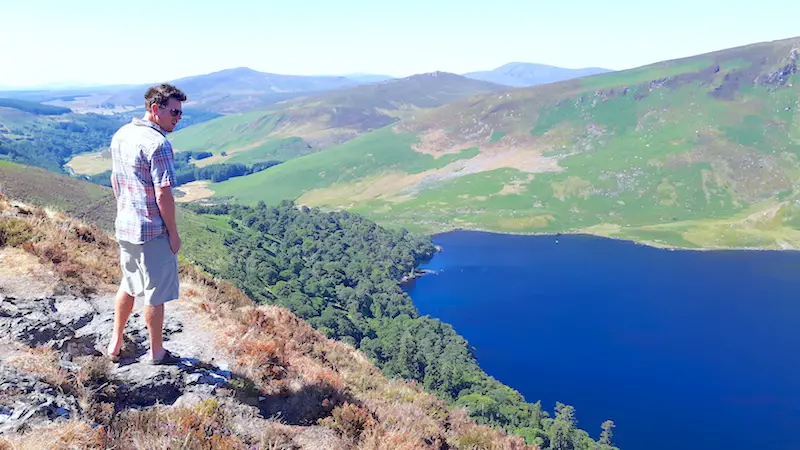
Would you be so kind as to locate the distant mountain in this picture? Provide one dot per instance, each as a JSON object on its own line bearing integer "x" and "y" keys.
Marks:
{"x": 225, "y": 91}
{"x": 521, "y": 74}
{"x": 325, "y": 119}
{"x": 241, "y": 89}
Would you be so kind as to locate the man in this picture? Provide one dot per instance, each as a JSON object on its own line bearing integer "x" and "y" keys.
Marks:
{"x": 143, "y": 176}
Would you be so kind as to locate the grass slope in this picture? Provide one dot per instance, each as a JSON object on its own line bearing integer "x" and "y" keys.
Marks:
{"x": 372, "y": 153}
{"x": 307, "y": 125}
{"x": 697, "y": 152}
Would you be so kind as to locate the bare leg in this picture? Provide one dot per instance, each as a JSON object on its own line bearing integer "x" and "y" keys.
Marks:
{"x": 122, "y": 310}
{"x": 154, "y": 318}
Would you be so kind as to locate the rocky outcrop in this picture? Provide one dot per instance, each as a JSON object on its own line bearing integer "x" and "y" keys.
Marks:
{"x": 80, "y": 327}
{"x": 49, "y": 344}
{"x": 782, "y": 75}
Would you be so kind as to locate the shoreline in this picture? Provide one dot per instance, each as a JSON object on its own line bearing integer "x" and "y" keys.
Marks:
{"x": 417, "y": 273}
{"x": 651, "y": 244}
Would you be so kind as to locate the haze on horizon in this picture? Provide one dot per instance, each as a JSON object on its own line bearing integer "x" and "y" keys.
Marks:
{"x": 95, "y": 42}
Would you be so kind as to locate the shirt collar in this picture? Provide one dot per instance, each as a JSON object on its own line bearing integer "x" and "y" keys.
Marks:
{"x": 146, "y": 123}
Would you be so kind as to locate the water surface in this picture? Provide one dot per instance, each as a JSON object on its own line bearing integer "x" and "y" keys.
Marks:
{"x": 682, "y": 349}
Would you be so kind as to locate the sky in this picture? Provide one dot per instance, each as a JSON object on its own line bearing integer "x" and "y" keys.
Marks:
{"x": 112, "y": 42}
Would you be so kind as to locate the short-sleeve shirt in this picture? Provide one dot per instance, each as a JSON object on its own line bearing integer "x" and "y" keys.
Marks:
{"x": 143, "y": 161}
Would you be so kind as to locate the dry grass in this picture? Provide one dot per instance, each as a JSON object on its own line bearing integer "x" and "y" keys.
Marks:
{"x": 203, "y": 426}
{"x": 42, "y": 362}
{"x": 90, "y": 384}
{"x": 22, "y": 275}
{"x": 83, "y": 256}
{"x": 72, "y": 435}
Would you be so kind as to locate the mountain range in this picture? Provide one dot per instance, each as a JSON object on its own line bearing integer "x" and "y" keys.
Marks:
{"x": 700, "y": 151}
{"x": 242, "y": 89}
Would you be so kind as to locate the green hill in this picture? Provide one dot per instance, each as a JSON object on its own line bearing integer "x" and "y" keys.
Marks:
{"x": 306, "y": 125}
{"x": 695, "y": 152}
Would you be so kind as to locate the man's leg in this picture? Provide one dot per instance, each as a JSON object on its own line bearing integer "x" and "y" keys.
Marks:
{"x": 122, "y": 310}
{"x": 154, "y": 318}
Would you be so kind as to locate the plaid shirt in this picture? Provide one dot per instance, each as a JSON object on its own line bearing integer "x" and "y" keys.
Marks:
{"x": 142, "y": 162}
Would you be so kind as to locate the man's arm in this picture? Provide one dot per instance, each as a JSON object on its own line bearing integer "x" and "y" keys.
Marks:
{"x": 114, "y": 186}
{"x": 166, "y": 205}
{"x": 163, "y": 172}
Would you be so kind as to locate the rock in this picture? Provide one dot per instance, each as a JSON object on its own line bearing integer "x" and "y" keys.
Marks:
{"x": 190, "y": 399}
{"x": 76, "y": 327}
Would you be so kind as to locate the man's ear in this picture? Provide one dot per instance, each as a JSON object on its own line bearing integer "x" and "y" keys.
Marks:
{"x": 153, "y": 108}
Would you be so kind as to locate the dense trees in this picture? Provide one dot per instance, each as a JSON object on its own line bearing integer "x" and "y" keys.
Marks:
{"x": 33, "y": 107}
{"x": 186, "y": 172}
{"x": 341, "y": 273}
{"x": 49, "y": 142}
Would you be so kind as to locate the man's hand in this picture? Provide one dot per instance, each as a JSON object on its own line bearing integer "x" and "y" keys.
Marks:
{"x": 175, "y": 242}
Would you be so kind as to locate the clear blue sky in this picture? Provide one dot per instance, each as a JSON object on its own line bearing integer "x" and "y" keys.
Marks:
{"x": 138, "y": 42}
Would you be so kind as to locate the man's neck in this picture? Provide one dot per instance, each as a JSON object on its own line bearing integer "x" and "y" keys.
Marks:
{"x": 150, "y": 118}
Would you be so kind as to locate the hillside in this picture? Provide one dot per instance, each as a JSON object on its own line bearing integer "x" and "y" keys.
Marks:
{"x": 700, "y": 152}
{"x": 338, "y": 272}
{"x": 521, "y": 74}
{"x": 308, "y": 124}
{"x": 250, "y": 377}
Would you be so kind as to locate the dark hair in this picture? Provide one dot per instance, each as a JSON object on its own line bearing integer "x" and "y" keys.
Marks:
{"x": 160, "y": 95}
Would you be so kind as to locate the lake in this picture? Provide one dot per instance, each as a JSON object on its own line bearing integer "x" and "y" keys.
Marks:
{"x": 681, "y": 349}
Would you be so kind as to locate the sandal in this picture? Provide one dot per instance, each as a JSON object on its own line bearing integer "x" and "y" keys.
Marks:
{"x": 114, "y": 358}
{"x": 168, "y": 358}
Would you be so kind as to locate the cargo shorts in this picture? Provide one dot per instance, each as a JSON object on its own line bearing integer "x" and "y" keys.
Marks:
{"x": 150, "y": 270}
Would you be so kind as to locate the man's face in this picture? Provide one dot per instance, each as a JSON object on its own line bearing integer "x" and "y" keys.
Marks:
{"x": 167, "y": 117}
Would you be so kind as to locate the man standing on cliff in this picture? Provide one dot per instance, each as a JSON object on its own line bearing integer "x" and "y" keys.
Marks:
{"x": 143, "y": 176}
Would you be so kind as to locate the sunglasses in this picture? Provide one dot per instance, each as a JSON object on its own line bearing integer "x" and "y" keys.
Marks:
{"x": 173, "y": 111}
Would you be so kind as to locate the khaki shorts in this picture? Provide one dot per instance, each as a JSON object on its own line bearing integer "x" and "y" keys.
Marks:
{"x": 150, "y": 270}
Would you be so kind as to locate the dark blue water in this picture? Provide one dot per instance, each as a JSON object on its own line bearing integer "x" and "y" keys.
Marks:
{"x": 689, "y": 350}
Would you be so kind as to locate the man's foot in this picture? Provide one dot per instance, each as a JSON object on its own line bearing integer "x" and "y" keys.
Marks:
{"x": 113, "y": 351}
{"x": 165, "y": 358}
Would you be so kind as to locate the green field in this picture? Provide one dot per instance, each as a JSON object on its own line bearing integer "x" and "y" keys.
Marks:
{"x": 379, "y": 151}
{"x": 92, "y": 163}
{"x": 228, "y": 133}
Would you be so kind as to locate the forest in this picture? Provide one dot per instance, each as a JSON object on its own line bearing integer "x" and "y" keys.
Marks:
{"x": 342, "y": 273}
